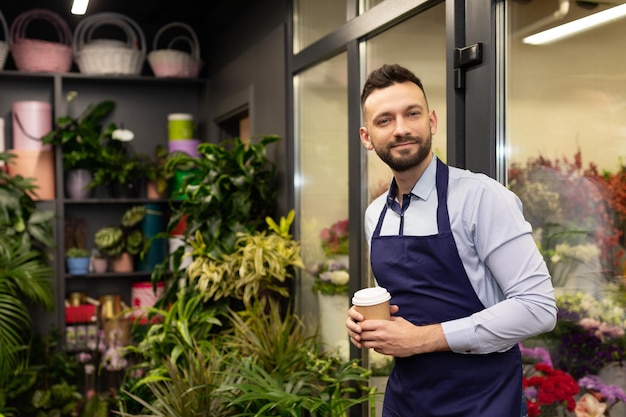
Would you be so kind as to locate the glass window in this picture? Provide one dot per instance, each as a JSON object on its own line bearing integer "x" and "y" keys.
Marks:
{"x": 420, "y": 45}
{"x": 565, "y": 127}
{"x": 314, "y": 19}
{"x": 322, "y": 193}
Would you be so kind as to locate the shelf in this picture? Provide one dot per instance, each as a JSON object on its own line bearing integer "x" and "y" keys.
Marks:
{"x": 89, "y": 201}
{"x": 133, "y": 274}
{"x": 134, "y": 79}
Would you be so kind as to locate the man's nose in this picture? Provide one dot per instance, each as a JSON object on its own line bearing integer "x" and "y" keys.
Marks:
{"x": 402, "y": 128}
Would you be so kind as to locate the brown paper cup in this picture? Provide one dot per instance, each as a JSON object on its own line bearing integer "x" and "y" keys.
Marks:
{"x": 373, "y": 303}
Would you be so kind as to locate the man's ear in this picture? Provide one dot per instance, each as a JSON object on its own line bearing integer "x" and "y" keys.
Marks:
{"x": 433, "y": 122}
{"x": 365, "y": 138}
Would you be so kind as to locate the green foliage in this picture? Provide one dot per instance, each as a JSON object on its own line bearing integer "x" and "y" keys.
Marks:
{"x": 155, "y": 168}
{"x": 24, "y": 279}
{"x": 231, "y": 189}
{"x": 44, "y": 386}
{"x": 258, "y": 362}
{"x": 80, "y": 138}
{"x": 19, "y": 216}
{"x": 127, "y": 237}
{"x": 77, "y": 253}
{"x": 261, "y": 261}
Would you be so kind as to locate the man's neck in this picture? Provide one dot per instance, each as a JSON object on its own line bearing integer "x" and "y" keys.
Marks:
{"x": 406, "y": 180}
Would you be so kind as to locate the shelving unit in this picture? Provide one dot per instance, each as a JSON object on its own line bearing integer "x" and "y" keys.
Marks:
{"x": 142, "y": 105}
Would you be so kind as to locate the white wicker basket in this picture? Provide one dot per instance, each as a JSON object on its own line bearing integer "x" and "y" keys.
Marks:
{"x": 109, "y": 56}
{"x": 4, "y": 45}
{"x": 172, "y": 62}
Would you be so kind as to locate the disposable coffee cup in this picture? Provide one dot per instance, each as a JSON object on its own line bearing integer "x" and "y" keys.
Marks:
{"x": 373, "y": 303}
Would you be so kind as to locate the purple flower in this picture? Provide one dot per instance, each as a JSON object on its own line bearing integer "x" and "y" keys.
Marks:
{"x": 612, "y": 393}
{"x": 537, "y": 353}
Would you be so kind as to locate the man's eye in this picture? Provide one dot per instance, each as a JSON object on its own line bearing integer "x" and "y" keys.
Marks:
{"x": 382, "y": 122}
{"x": 414, "y": 114}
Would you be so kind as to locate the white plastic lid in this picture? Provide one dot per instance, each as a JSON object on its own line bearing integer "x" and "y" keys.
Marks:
{"x": 370, "y": 296}
{"x": 179, "y": 116}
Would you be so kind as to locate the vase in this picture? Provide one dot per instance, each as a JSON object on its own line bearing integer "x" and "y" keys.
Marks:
{"x": 333, "y": 311}
{"x": 78, "y": 266}
{"x": 100, "y": 265}
{"x": 152, "y": 192}
{"x": 76, "y": 183}
{"x": 122, "y": 263}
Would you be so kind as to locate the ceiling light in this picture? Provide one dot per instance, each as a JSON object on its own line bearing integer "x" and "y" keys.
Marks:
{"x": 79, "y": 6}
{"x": 576, "y": 26}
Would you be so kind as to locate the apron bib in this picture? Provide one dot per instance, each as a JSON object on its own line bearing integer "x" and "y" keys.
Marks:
{"x": 426, "y": 278}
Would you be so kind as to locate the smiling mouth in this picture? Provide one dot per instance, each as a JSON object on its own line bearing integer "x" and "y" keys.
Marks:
{"x": 403, "y": 144}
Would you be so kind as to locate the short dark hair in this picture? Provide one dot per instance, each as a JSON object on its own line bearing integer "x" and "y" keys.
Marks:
{"x": 386, "y": 76}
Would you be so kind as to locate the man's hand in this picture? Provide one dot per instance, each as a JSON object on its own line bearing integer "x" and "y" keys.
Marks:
{"x": 396, "y": 337}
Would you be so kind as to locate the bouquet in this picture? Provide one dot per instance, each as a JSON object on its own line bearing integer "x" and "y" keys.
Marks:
{"x": 589, "y": 334}
{"x": 548, "y": 389}
{"x": 331, "y": 277}
{"x": 598, "y": 398}
{"x": 335, "y": 239}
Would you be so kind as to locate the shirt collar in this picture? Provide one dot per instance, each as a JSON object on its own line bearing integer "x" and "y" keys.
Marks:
{"x": 422, "y": 188}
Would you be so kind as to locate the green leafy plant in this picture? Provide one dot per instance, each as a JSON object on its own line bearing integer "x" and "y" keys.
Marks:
{"x": 127, "y": 237}
{"x": 80, "y": 138}
{"x": 261, "y": 261}
{"x": 24, "y": 281}
{"x": 156, "y": 171}
{"x": 120, "y": 165}
{"x": 77, "y": 253}
{"x": 231, "y": 189}
{"x": 19, "y": 215}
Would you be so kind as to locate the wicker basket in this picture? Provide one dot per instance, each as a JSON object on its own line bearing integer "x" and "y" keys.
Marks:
{"x": 172, "y": 62}
{"x": 35, "y": 55}
{"x": 4, "y": 45}
{"x": 109, "y": 56}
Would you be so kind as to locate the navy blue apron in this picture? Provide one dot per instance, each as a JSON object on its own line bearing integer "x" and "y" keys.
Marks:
{"x": 426, "y": 278}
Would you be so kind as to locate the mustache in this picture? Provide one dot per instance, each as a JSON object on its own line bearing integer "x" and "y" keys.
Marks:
{"x": 406, "y": 139}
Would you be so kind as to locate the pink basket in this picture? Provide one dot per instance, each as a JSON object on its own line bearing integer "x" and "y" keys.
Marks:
{"x": 35, "y": 55}
{"x": 4, "y": 45}
{"x": 172, "y": 62}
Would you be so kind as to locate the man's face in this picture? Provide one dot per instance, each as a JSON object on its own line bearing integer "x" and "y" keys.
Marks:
{"x": 398, "y": 125}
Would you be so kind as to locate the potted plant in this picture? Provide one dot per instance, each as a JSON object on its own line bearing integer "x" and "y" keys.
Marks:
{"x": 20, "y": 217}
{"x": 157, "y": 174}
{"x": 80, "y": 139}
{"x": 99, "y": 261}
{"x": 235, "y": 362}
{"x": 122, "y": 242}
{"x": 229, "y": 188}
{"x": 121, "y": 168}
{"x": 77, "y": 260}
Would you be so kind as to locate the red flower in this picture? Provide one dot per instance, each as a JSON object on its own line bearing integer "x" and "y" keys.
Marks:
{"x": 549, "y": 388}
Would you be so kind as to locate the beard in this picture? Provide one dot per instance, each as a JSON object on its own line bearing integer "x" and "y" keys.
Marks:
{"x": 407, "y": 159}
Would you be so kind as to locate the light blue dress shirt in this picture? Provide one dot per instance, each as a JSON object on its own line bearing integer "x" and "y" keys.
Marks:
{"x": 498, "y": 252}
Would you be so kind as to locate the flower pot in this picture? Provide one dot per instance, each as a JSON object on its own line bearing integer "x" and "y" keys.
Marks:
{"x": 122, "y": 263}
{"x": 100, "y": 265}
{"x": 76, "y": 181}
{"x": 77, "y": 266}
{"x": 152, "y": 193}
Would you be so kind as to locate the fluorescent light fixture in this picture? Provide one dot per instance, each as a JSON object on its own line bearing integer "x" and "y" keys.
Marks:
{"x": 79, "y": 6}
{"x": 577, "y": 26}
